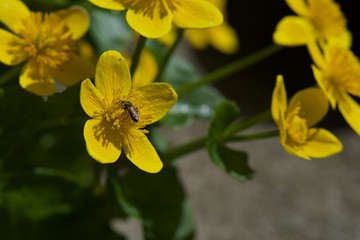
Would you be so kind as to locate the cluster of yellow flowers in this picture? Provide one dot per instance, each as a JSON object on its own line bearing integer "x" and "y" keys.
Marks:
{"x": 321, "y": 26}
{"x": 119, "y": 108}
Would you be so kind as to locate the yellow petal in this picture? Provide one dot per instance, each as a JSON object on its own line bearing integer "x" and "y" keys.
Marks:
{"x": 279, "y": 99}
{"x": 292, "y": 31}
{"x": 77, "y": 19}
{"x": 12, "y": 13}
{"x": 224, "y": 39}
{"x": 298, "y": 6}
{"x": 316, "y": 54}
{"x": 146, "y": 71}
{"x": 36, "y": 78}
{"x": 154, "y": 26}
{"x": 350, "y": 110}
{"x": 108, "y": 4}
{"x": 112, "y": 75}
{"x": 322, "y": 144}
{"x": 197, "y": 38}
{"x": 102, "y": 142}
{"x": 74, "y": 70}
{"x": 196, "y": 14}
{"x": 153, "y": 101}
{"x": 325, "y": 85}
{"x": 313, "y": 102}
{"x": 141, "y": 152}
{"x": 91, "y": 99}
{"x": 9, "y": 54}
{"x": 343, "y": 40}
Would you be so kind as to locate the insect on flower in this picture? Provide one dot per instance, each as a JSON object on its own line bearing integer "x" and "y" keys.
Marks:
{"x": 131, "y": 109}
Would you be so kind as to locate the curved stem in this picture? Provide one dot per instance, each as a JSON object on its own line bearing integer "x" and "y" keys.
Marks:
{"x": 10, "y": 74}
{"x": 253, "y": 136}
{"x": 136, "y": 55}
{"x": 164, "y": 62}
{"x": 232, "y": 68}
{"x": 234, "y": 128}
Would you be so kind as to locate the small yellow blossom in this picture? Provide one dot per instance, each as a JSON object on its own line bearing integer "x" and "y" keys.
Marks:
{"x": 153, "y": 18}
{"x": 306, "y": 108}
{"x": 337, "y": 71}
{"x": 119, "y": 113}
{"x": 47, "y": 42}
{"x": 320, "y": 20}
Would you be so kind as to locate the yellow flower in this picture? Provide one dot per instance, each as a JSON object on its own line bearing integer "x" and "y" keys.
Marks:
{"x": 47, "y": 41}
{"x": 337, "y": 72}
{"x": 306, "y": 108}
{"x": 320, "y": 20}
{"x": 119, "y": 114}
{"x": 153, "y": 18}
{"x": 223, "y": 37}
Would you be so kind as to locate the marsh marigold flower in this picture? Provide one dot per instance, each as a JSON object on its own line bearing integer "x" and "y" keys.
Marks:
{"x": 296, "y": 121}
{"x": 153, "y": 18}
{"x": 337, "y": 71}
{"x": 320, "y": 20}
{"x": 119, "y": 113}
{"x": 47, "y": 42}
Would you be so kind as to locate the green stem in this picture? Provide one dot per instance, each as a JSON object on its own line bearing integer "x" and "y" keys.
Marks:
{"x": 136, "y": 55}
{"x": 165, "y": 61}
{"x": 234, "y": 128}
{"x": 10, "y": 74}
{"x": 179, "y": 151}
{"x": 232, "y": 68}
{"x": 253, "y": 136}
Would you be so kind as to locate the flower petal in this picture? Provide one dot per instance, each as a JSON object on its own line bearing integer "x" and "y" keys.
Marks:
{"x": 74, "y": 70}
{"x": 36, "y": 78}
{"x": 322, "y": 144}
{"x": 9, "y": 54}
{"x": 112, "y": 75}
{"x": 224, "y": 39}
{"x": 325, "y": 85}
{"x": 141, "y": 152}
{"x": 91, "y": 99}
{"x": 146, "y": 71}
{"x": 292, "y": 31}
{"x": 350, "y": 110}
{"x": 108, "y": 4}
{"x": 298, "y": 6}
{"x": 196, "y": 14}
{"x": 12, "y": 13}
{"x": 154, "y": 26}
{"x": 77, "y": 19}
{"x": 313, "y": 102}
{"x": 102, "y": 142}
{"x": 153, "y": 101}
{"x": 279, "y": 99}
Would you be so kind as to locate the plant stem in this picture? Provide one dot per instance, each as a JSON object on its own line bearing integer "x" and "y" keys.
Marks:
{"x": 136, "y": 55}
{"x": 184, "y": 149}
{"x": 253, "y": 136}
{"x": 165, "y": 61}
{"x": 232, "y": 68}
{"x": 234, "y": 128}
{"x": 10, "y": 74}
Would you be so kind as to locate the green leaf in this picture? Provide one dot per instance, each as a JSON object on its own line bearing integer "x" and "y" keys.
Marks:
{"x": 109, "y": 30}
{"x": 232, "y": 161}
{"x": 157, "y": 200}
{"x": 198, "y": 103}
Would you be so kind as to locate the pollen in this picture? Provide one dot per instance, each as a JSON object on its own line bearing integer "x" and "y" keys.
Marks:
{"x": 297, "y": 127}
{"x": 45, "y": 38}
{"x": 327, "y": 17}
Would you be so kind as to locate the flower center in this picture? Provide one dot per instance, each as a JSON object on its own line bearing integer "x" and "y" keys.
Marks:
{"x": 344, "y": 70}
{"x": 46, "y": 39}
{"x": 297, "y": 128}
{"x": 327, "y": 18}
{"x": 149, "y": 8}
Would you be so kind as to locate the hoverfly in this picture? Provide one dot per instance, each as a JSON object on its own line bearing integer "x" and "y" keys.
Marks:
{"x": 131, "y": 110}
